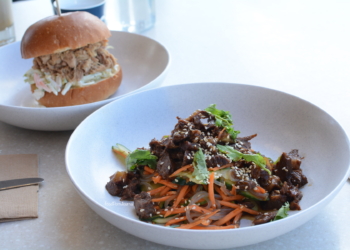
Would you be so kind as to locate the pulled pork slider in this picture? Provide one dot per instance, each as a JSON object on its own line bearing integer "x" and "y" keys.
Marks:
{"x": 71, "y": 63}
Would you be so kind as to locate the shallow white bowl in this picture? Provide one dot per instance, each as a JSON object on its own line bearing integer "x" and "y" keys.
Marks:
{"x": 283, "y": 122}
{"x": 144, "y": 62}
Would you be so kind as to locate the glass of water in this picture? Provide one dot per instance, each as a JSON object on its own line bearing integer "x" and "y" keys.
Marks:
{"x": 7, "y": 30}
{"x": 133, "y": 16}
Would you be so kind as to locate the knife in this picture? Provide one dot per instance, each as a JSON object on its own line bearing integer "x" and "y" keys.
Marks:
{"x": 19, "y": 183}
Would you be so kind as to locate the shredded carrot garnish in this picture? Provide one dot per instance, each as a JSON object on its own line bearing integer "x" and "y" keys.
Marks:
{"x": 219, "y": 191}
{"x": 237, "y": 218}
{"x": 169, "y": 184}
{"x": 194, "y": 188}
{"x": 171, "y": 193}
{"x": 156, "y": 190}
{"x": 211, "y": 189}
{"x": 259, "y": 189}
{"x": 236, "y": 197}
{"x": 214, "y": 227}
{"x": 218, "y": 168}
{"x": 220, "y": 133}
{"x": 180, "y": 170}
{"x": 156, "y": 179}
{"x": 164, "y": 198}
{"x": 228, "y": 217}
{"x": 233, "y": 190}
{"x": 181, "y": 210}
{"x": 233, "y": 205}
{"x": 199, "y": 220}
{"x": 176, "y": 220}
{"x": 181, "y": 195}
{"x": 148, "y": 169}
{"x": 165, "y": 191}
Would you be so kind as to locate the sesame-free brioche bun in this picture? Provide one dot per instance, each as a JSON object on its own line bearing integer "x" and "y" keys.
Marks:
{"x": 55, "y": 34}
{"x": 75, "y": 96}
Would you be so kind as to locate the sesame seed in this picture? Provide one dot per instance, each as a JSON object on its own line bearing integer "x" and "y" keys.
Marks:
{"x": 125, "y": 186}
{"x": 141, "y": 210}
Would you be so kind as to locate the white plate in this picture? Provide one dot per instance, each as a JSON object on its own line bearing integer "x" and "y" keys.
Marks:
{"x": 144, "y": 62}
{"x": 283, "y": 122}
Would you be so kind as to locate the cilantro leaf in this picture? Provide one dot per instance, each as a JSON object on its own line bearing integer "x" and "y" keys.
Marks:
{"x": 200, "y": 172}
{"x": 282, "y": 212}
{"x": 223, "y": 119}
{"x": 141, "y": 157}
{"x": 235, "y": 155}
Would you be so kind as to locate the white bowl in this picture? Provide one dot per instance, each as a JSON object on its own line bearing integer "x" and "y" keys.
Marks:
{"x": 144, "y": 61}
{"x": 283, "y": 122}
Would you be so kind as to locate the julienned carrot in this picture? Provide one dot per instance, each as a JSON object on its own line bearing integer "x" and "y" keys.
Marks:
{"x": 211, "y": 189}
{"x": 171, "y": 192}
{"x": 233, "y": 205}
{"x": 164, "y": 198}
{"x": 259, "y": 189}
{"x": 176, "y": 220}
{"x": 194, "y": 188}
{"x": 236, "y": 197}
{"x": 169, "y": 184}
{"x": 225, "y": 197}
{"x": 220, "y": 133}
{"x": 181, "y": 195}
{"x": 156, "y": 190}
{"x": 233, "y": 190}
{"x": 218, "y": 168}
{"x": 214, "y": 227}
{"x": 199, "y": 220}
{"x": 227, "y": 217}
{"x": 165, "y": 190}
{"x": 148, "y": 169}
{"x": 158, "y": 179}
{"x": 180, "y": 170}
{"x": 237, "y": 218}
{"x": 181, "y": 210}
{"x": 219, "y": 191}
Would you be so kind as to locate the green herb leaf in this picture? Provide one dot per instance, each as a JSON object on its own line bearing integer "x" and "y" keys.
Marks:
{"x": 223, "y": 119}
{"x": 141, "y": 157}
{"x": 200, "y": 172}
{"x": 282, "y": 212}
{"x": 235, "y": 155}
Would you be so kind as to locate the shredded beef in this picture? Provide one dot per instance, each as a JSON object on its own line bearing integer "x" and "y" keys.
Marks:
{"x": 264, "y": 217}
{"x": 288, "y": 169}
{"x": 74, "y": 64}
{"x": 164, "y": 166}
{"x": 144, "y": 206}
{"x": 124, "y": 185}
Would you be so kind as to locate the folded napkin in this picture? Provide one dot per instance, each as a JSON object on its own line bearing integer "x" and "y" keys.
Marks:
{"x": 18, "y": 203}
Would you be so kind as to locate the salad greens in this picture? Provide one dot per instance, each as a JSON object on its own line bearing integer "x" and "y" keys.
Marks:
{"x": 223, "y": 119}
{"x": 235, "y": 155}
{"x": 141, "y": 157}
{"x": 200, "y": 172}
{"x": 282, "y": 212}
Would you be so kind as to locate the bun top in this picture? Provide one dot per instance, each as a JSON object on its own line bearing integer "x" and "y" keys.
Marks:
{"x": 55, "y": 34}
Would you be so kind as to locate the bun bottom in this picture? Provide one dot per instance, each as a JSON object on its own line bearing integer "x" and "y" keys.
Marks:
{"x": 83, "y": 95}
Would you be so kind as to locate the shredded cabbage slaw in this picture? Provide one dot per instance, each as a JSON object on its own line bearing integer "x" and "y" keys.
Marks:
{"x": 45, "y": 83}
